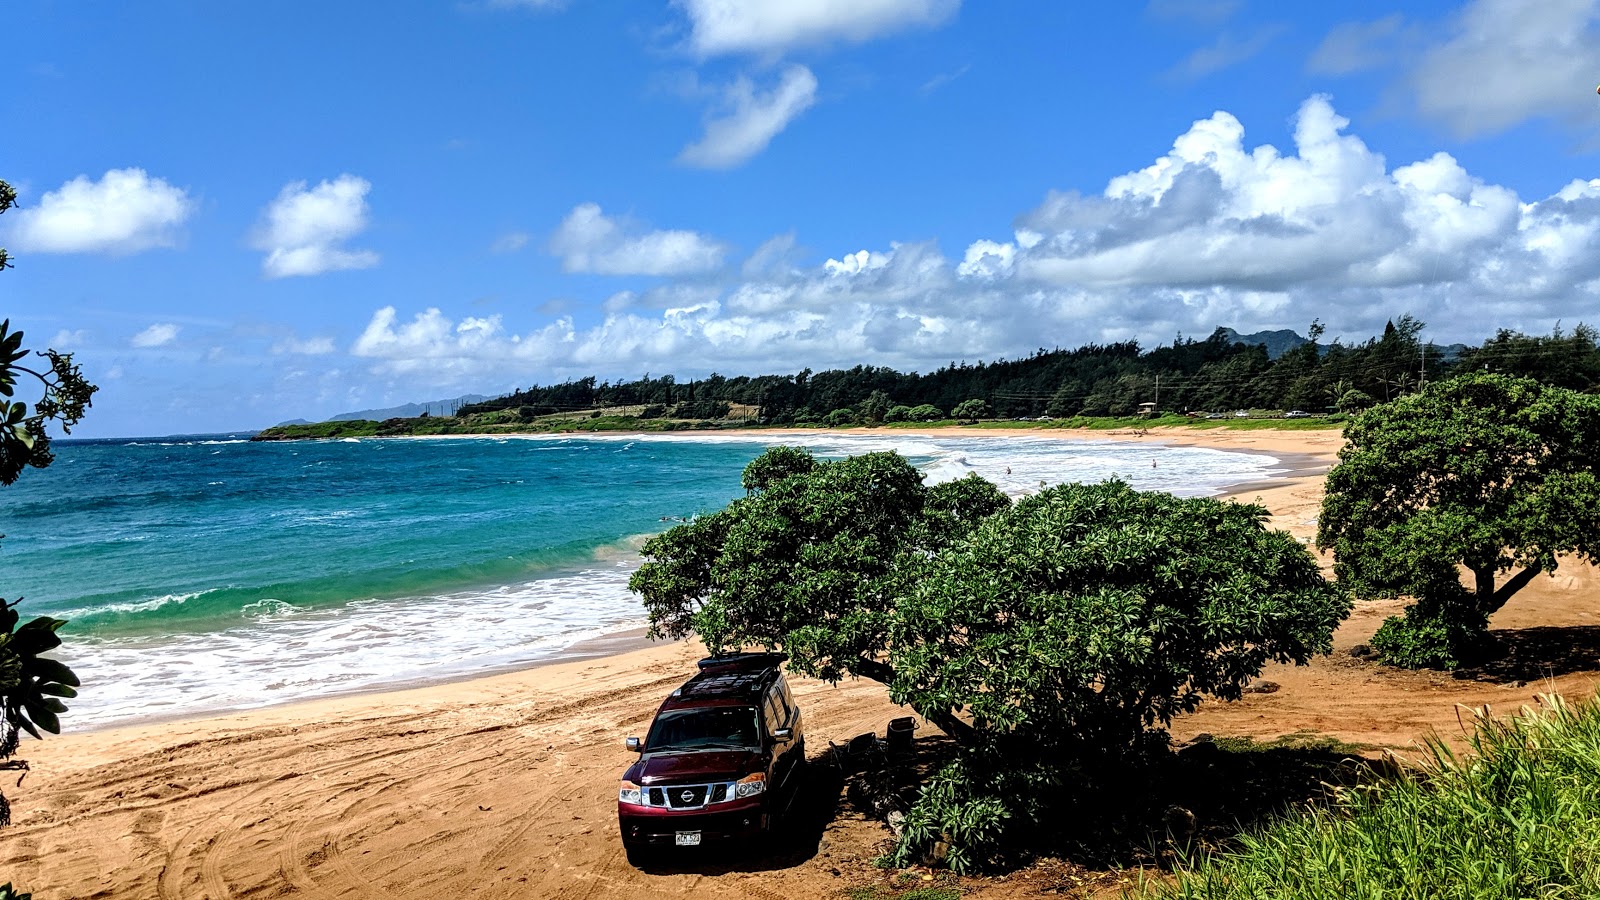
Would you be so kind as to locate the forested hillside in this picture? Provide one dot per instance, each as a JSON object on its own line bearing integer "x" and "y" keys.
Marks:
{"x": 1214, "y": 374}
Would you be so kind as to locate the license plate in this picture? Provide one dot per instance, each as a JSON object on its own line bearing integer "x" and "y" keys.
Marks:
{"x": 688, "y": 839}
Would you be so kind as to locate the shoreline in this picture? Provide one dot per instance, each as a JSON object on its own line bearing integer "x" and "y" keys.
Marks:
{"x": 504, "y": 785}
{"x": 1290, "y": 465}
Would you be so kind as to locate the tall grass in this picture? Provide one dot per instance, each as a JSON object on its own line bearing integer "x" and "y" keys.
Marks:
{"x": 1516, "y": 817}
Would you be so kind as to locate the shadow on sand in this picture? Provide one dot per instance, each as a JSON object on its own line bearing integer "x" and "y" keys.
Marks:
{"x": 1203, "y": 794}
{"x": 1531, "y": 654}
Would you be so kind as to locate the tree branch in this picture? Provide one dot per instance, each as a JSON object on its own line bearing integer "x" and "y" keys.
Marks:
{"x": 946, "y": 720}
{"x": 1515, "y": 583}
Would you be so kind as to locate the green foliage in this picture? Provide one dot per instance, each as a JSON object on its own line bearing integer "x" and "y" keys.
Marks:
{"x": 806, "y": 563}
{"x": 65, "y": 396}
{"x": 1432, "y": 636}
{"x": 31, "y": 687}
{"x": 1355, "y": 400}
{"x": 1090, "y": 613}
{"x": 776, "y": 464}
{"x": 975, "y": 408}
{"x": 1484, "y": 472}
{"x": 331, "y": 430}
{"x": 7, "y": 892}
{"x": 1518, "y": 816}
{"x": 1057, "y": 634}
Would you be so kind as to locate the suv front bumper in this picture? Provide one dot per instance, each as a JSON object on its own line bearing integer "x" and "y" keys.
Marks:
{"x": 650, "y": 825}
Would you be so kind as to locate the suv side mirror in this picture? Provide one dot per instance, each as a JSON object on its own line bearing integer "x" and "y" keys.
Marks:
{"x": 634, "y": 744}
{"x": 783, "y": 734}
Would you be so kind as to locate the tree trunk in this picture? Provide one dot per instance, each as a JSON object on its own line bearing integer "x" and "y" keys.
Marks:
{"x": 883, "y": 673}
{"x": 1490, "y": 600}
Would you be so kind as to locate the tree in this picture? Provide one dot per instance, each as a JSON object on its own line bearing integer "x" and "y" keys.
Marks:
{"x": 31, "y": 686}
{"x": 1070, "y": 627}
{"x": 972, "y": 409}
{"x": 1491, "y": 474}
{"x": 875, "y": 407}
{"x": 808, "y": 562}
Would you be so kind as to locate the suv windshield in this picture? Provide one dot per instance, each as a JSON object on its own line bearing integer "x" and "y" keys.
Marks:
{"x": 691, "y": 729}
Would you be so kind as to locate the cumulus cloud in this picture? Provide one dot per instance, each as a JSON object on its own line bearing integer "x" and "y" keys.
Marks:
{"x": 1213, "y": 232}
{"x": 750, "y": 118}
{"x": 67, "y": 340}
{"x": 590, "y": 241}
{"x": 158, "y": 335}
{"x": 126, "y": 211}
{"x": 304, "y": 229}
{"x": 1506, "y": 61}
{"x": 750, "y": 26}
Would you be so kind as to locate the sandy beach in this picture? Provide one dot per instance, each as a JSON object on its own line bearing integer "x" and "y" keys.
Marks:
{"x": 504, "y": 786}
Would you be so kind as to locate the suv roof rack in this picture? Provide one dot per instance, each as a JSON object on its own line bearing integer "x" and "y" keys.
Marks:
{"x": 743, "y": 662}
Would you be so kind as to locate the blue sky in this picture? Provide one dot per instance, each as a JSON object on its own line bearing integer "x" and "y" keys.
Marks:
{"x": 236, "y": 214}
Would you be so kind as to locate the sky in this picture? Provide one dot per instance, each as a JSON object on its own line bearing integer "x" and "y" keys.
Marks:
{"x": 235, "y": 214}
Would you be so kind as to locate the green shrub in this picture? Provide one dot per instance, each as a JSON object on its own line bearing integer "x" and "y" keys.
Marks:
{"x": 1424, "y": 640}
{"x": 1516, "y": 817}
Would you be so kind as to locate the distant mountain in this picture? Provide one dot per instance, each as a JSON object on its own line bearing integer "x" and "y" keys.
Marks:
{"x": 1280, "y": 342}
{"x": 292, "y": 422}
{"x": 1277, "y": 342}
{"x": 412, "y": 410}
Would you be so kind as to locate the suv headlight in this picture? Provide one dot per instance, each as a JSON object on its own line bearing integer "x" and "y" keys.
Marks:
{"x": 750, "y": 785}
{"x": 631, "y": 794}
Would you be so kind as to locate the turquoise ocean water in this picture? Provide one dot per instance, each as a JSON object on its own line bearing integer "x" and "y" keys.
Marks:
{"x": 208, "y": 573}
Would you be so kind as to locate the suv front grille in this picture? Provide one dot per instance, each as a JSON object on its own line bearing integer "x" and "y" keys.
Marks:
{"x": 688, "y": 796}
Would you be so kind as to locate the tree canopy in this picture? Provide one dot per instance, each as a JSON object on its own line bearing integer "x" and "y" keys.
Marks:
{"x": 1493, "y": 474}
{"x": 1072, "y": 625}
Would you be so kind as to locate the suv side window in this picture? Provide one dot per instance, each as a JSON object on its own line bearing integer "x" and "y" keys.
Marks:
{"x": 777, "y": 715}
{"x": 784, "y": 694}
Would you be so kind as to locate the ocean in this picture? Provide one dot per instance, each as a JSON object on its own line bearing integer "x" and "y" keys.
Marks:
{"x": 207, "y": 573}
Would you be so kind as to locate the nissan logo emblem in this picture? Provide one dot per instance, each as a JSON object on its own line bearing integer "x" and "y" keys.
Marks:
{"x": 687, "y": 796}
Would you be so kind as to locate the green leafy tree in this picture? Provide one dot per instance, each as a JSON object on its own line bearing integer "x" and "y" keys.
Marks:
{"x": 1488, "y": 474}
{"x": 31, "y": 686}
{"x": 973, "y": 409}
{"x": 1070, "y": 627}
{"x": 808, "y": 562}
{"x": 875, "y": 407}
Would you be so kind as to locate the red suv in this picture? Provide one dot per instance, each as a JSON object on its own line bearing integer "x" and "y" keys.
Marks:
{"x": 722, "y": 756}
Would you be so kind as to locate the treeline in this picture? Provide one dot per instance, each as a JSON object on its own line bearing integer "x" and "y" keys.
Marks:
{"x": 1218, "y": 373}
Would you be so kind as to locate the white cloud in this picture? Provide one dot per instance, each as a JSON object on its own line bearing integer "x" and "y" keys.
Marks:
{"x": 590, "y": 241}
{"x": 1358, "y": 46}
{"x": 313, "y": 346}
{"x": 1213, "y": 232}
{"x": 510, "y": 242}
{"x": 765, "y": 27}
{"x": 158, "y": 335}
{"x": 66, "y": 340}
{"x": 751, "y": 119}
{"x": 126, "y": 211}
{"x": 1507, "y": 61}
{"x": 303, "y": 229}
{"x": 1226, "y": 51}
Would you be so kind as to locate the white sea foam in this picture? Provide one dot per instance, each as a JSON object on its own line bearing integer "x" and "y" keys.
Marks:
{"x": 279, "y": 653}
{"x": 285, "y": 654}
